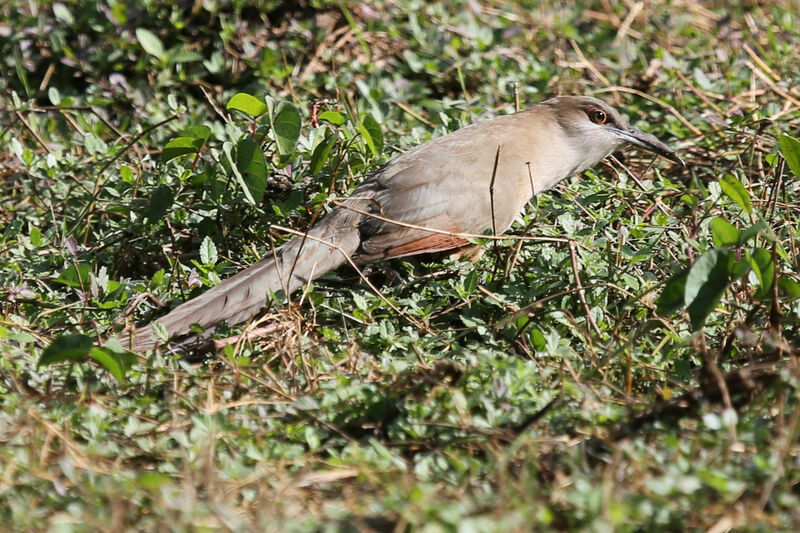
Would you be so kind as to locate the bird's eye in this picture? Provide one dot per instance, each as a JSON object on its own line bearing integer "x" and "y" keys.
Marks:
{"x": 598, "y": 116}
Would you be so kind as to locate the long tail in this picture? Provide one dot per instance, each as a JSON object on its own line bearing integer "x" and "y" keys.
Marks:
{"x": 326, "y": 246}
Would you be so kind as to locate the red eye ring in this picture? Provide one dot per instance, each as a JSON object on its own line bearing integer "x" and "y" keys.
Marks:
{"x": 598, "y": 116}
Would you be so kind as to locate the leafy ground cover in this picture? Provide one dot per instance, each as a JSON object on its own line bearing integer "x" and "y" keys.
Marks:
{"x": 627, "y": 360}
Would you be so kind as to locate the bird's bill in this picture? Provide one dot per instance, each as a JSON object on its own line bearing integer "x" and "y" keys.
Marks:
{"x": 650, "y": 143}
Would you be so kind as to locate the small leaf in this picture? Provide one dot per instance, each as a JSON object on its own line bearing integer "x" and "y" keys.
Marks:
{"x": 251, "y": 170}
{"x": 789, "y": 288}
{"x": 286, "y": 126}
{"x": 247, "y": 103}
{"x": 78, "y": 276}
{"x": 321, "y": 153}
{"x": 372, "y": 134}
{"x": 705, "y": 284}
{"x": 179, "y": 146}
{"x": 790, "y": 148}
{"x": 151, "y": 44}
{"x": 116, "y": 363}
{"x": 159, "y": 330}
{"x": 36, "y": 236}
{"x": 751, "y": 232}
{"x": 471, "y": 282}
{"x": 208, "y": 251}
{"x": 672, "y": 297}
{"x": 724, "y": 233}
{"x": 68, "y": 347}
{"x": 734, "y": 189}
{"x": 332, "y": 117}
{"x": 201, "y": 133}
{"x": 160, "y": 201}
{"x": 764, "y": 268}
{"x": 63, "y": 14}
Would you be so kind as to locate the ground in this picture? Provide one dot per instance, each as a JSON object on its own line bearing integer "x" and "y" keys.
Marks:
{"x": 626, "y": 360}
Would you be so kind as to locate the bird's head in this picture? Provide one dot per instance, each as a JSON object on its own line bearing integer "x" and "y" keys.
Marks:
{"x": 596, "y": 129}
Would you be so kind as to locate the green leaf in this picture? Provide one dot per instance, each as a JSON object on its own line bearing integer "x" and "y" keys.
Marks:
{"x": 36, "y": 236}
{"x": 160, "y": 201}
{"x": 68, "y": 347}
{"x": 672, "y": 297}
{"x": 286, "y": 126}
{"x": 734, "y": 190}
{"x": 751, "y": 232}
{"x": 471, "y": 282}
{"x": 372, "y": 134}
{"x": 247, "y": 103}
{"x": 181, "y": 55}
{"x": 198, "y": 132}
{"x": 180, "y": 146}
{"x": 118, "y": 363}
{"x": 790, "y": 148}
{"x": 208, "y": 251}
{"x": 705, "y": 284}
{"x": 159, "y": 330}
{"x": 789, "y": 288}
{"x": 63, "y": 14}
{"x": 764, "y": 268}
{"x": 251, "y": 170}
{"x": 76, "y": 276}
{"x": 332, "y": 117}
{"x": 724, "y": 233}
{"x": 321, "y": 153}
{"x": 151, "y": 44}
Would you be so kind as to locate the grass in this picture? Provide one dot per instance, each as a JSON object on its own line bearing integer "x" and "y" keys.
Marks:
{"x": 568, "y": 380}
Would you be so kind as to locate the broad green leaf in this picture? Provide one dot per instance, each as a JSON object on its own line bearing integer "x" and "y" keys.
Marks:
{"x": 201, "y": 133}
{"x": 180, "y": 146}
{"x": 764, "y": 268}
{"x": 63, "y": 14}
{"x": 181, "y": 55}
{"x": 151, "y": 44}
{"x": 471, "y": 282}
{"x": 332, "y": 117}
{"x": 286, "y": 126}
{"x": 247, "y": 103}
{"x": 252, "y": 170}
{"x": 118, "y": 363}
{"x": 737, "y": 269}
{"x": 707, "y": 280}
{"x": 208, "y": 252}
{"x": 159, "y": 330}
{"x": 724, "y": 233}
{"x": 672, "y": 297}
{"x": 321, "y": 153}
{"x": 372, "y": 134}
{"x": 68, "y": 347}
{"x": 76, "y": 275}
{"x": 734, "y": 190}
{"x": 36, "y": 236}
{"x": 789, "y": 288}
{"x": 790, "y": 148}
{"x": 160, "y": 202}
{"x": 752, "y": 231}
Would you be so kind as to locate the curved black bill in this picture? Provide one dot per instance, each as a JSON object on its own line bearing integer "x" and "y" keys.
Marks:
{"x": 650, "y": 143}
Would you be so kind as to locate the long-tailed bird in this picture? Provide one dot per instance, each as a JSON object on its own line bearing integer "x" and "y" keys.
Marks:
{"x": 468, "y": 182}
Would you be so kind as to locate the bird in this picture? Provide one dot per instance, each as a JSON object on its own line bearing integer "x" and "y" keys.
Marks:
{"x": 471, "y": 181}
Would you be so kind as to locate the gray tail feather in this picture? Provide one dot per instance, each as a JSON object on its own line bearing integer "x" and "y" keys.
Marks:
{"x": 326, "y": 246}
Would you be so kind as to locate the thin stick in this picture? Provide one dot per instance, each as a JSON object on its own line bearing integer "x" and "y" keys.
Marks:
{"x": 491, "y": 188}
{"x": 573, "y": 256}
{"x": 445, "y": 232}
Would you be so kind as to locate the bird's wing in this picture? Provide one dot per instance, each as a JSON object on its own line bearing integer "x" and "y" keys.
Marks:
{"x": 447, "y": 186}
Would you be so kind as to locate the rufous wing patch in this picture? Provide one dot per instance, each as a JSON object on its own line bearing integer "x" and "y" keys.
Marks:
{"x": 403, "y": 240}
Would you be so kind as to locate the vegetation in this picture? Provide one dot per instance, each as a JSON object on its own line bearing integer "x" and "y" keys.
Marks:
{"x": 626, "y": 360}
